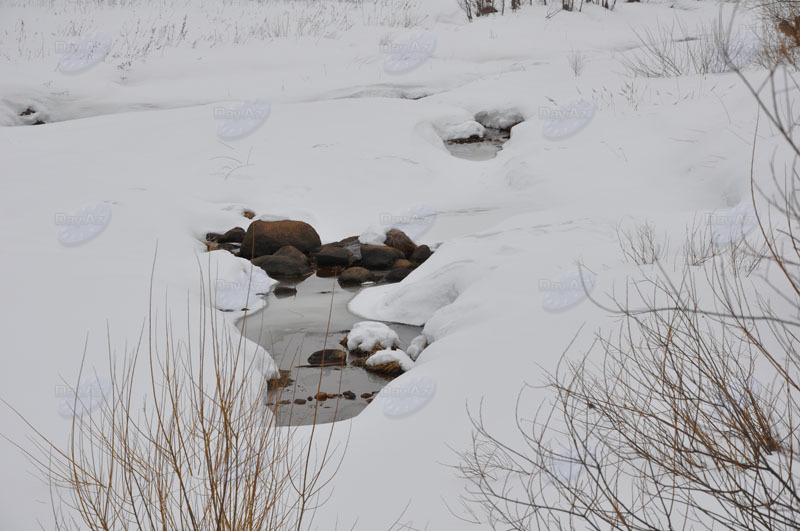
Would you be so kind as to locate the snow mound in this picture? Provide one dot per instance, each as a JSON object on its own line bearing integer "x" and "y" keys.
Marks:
{"x": 416, "y": 347}
{"x": 388, "y": 356}
{"x": 366, "y": 335}
{"x": 235, "y": 283}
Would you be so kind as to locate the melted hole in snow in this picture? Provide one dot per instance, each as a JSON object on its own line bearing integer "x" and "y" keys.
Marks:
{"x": 479, "y": 148}
{"x": 293, "y": 326}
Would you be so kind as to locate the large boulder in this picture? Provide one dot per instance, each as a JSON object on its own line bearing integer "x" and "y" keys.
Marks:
{"x": 398, "y": 239}
{"x": 283, "y": 267}
{"x": 333, "y": 256}
{"x": 266, "y": 237}
{"x": 355, "y": 276}
{"x": 235, "y": 235}
{"x": 379, "y": 256}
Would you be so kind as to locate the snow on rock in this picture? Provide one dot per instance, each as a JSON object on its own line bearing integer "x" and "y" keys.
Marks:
{"x": 386, "y": 357}
{"x": 366, "y": 335}
{"x": 500, "y": 119}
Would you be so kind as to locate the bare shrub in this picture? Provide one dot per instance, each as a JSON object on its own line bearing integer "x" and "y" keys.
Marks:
{"x": 641, "y": 245}
{"x": 200, "y": 450}
{"x": 576, "y": 62}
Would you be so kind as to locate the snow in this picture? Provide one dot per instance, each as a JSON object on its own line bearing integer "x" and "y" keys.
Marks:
{"x": 343, "y": 149}
{"x": 366, "y": 335}
{"x": 389, "y": 356}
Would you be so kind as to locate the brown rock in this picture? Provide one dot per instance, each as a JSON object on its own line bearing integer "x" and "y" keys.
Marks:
{"x": 397, "y": 275}
{"x": 283, "y": 267}
{"x": 355, "y": 276}
{"x": 292, "y": 252}
{"x": 285, "y": 291}
{"x": 328, "y": 356}
{"x": 331, "y": 256}
{"x": 299, "y": 401}
{"x": 421, "y": 253}
{"x": 266, "y": 237}
{"x": 402, "y": 263}
{"x": 379, "y": 256}
{"x": 398, "y": 239}
{"x": 321, "y": 397}
{"x": 349, "y": 395}
{"x": 235, "y": 235}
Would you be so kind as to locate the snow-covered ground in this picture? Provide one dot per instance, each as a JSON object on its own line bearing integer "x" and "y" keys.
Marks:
{"x": 344, "y": 145}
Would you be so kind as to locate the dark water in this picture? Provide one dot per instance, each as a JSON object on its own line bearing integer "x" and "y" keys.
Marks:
{"x": 485, "y": 148}
{"x": 292, "y": 328}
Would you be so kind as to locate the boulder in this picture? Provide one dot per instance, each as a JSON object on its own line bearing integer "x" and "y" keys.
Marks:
{"x": 398, "y": 239}
{"x": 421, "y": 253}
{"x": 292, "y": 252}
{"x": 283, "y": 292}
{"x": 283, "y": 266}
{"x": 396, "y": 275}
{"x": 235, "y": 235}
{"x": 355, "y": 276}
{"x": 332, "y": 256}
{"x": 266, "y": 237}
{"x": 328, "y": 356}
{"x": 379, "y": 256}
{"x": 402, "y": 263}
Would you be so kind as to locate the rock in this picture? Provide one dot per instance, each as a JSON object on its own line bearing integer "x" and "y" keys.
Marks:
{"x": 327, "y": 357}
{"x": 331, "y": 256}
{"x": 367, "y": 395}
{"x": 321, "y": 397}
{"x": 299, "y": 401}
{"x": 351, "y": 244}
{"x": 355, "y": 276}
{"x": 397, "y": 275}
{"x": 283, "y": 380}
{"x": 266, "y": 237}
{"x": 349, "y": 395}
{"x": 379, "y": 256}
{"x": 389, "y": 368}
{"x": 368, "y": 337}
{"x": 283, "y": 266}
{"x": 285, "y": 291}
{"x": 310, "y": 398}
{"x": 292, "y": 252}
{"x": 249, "y": 214}
{"x": 285, "y": 402}
{"x": 421, "y": 253}
{"x": 398, "y": 239}
{"x": 213, "y": 236}
{"x": 235, "y": 235}
{"x": 402, "y": 263}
